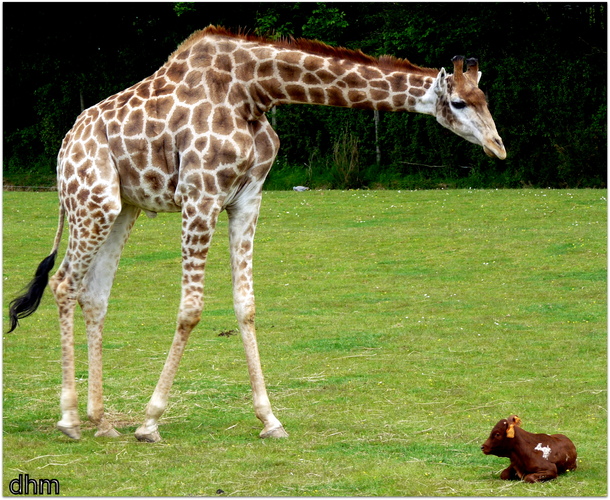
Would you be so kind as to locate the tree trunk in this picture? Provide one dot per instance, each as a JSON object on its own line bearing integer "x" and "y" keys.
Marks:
{"x": 377, "y": 148}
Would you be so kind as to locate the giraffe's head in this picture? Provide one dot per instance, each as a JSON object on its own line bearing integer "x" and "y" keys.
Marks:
{"x": 461, "y": 107}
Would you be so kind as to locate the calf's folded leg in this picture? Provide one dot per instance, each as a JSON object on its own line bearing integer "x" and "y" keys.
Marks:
{"x": 542, "y": 475}
{"x": 509, "y": 473}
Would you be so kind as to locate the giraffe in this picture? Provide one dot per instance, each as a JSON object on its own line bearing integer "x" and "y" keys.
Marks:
{"x": 193, "y": 138}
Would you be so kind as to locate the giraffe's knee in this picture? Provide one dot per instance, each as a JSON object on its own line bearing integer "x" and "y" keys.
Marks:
{"x": 245, "y": 311}
{"x": 189, "y": 316}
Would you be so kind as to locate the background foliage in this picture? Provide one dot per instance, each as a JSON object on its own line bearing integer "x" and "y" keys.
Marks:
{"x": 544, "y": 71}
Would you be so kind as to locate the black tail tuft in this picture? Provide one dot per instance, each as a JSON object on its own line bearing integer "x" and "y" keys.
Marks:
{"x": 25, "y": 305}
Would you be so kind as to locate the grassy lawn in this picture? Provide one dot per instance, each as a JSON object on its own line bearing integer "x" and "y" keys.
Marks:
{"x": 395, "y": 329}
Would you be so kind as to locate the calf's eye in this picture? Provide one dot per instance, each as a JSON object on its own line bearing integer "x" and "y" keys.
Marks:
{"x": 458, "y": 104}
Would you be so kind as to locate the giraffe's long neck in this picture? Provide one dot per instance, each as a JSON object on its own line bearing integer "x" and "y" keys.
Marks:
{"x": 262, "y": 74}
{"x": 285, "y": 76}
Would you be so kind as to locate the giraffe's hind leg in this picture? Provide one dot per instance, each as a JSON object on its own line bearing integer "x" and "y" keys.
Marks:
{"x": 63, "y": 285}
{"x": 86, "y": 238}
{"x": 93, "y": 300}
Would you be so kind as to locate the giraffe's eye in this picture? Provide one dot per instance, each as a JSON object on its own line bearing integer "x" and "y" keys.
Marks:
{"x": 458, "y": 104}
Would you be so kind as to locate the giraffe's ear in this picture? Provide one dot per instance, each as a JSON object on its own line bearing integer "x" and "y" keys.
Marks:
{"x": 440, "y": 86}
{"x": 479, "y": 74}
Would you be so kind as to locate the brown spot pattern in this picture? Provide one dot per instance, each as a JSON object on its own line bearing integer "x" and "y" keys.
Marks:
{"x": 135, "y": 123}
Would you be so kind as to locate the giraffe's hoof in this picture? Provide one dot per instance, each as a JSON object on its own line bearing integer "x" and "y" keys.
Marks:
{"x": 277, "y": 432}
{"x": 143, "y": 434}
{"x": 72, "y": 431}
{"x": 111, "y": 433}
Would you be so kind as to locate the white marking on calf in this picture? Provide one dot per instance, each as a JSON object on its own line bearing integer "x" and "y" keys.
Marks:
{"x": 546, "y": 450}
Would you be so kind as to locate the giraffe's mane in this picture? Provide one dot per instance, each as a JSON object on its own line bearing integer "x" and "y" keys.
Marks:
{"x": 312, "y": 47}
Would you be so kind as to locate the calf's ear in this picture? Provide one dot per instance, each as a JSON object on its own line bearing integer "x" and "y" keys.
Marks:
{"x": 514, "y": 421}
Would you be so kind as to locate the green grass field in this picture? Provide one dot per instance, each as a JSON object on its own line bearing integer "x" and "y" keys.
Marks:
{"x": 395, "y": 329}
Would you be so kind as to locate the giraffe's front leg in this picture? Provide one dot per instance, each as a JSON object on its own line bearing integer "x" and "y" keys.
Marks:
{"x": 190, "y": 313}
{"x": 242, "y": 224}
{"x": 198, "y": 224}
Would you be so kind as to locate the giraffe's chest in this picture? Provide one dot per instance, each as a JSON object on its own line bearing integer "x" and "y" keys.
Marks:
{"x": 150, "y": 201}
{"x": 148, "y": 178}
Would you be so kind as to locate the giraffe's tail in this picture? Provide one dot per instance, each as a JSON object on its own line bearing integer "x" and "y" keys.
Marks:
{"x": 25, "y": 304}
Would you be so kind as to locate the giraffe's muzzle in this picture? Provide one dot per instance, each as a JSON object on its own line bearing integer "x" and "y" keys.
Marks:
{"x": 495, "y": 148}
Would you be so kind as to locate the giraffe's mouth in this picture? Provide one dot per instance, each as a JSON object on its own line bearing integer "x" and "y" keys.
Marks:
{"x": 495, "y": 148}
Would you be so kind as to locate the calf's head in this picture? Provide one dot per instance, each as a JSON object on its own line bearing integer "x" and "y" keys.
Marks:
{"x": 501, "y": 440}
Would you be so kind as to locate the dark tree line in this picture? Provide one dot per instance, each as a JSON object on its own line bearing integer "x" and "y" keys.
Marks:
{"x": 544, "y": 71}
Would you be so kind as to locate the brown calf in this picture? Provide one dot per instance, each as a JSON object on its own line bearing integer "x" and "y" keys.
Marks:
{"x": 533, "y": 457}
